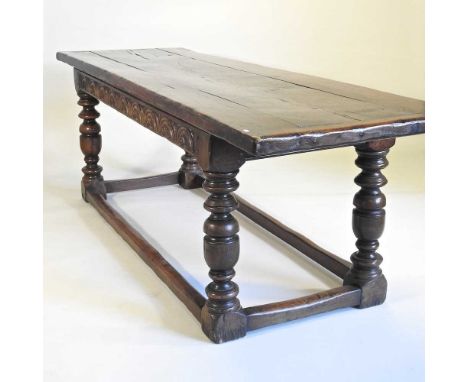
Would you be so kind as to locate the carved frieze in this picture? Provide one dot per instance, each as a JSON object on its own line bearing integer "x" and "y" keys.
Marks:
{"x": 155, "y": 120}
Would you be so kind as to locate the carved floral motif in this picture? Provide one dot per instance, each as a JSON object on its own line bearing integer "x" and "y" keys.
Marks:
{"x": 145, "y": 115}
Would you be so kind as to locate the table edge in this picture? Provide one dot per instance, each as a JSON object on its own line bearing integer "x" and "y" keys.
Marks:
{"x": 330, "y": 137}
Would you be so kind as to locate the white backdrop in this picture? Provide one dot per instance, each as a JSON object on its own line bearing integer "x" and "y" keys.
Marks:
{"x": 107, "y": 317}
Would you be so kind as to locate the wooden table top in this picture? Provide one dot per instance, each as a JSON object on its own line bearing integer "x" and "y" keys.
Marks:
{"x": 261, "y": 110}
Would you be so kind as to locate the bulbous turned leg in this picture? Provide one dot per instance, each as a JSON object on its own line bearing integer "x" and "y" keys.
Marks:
{"x": 222, "y": 318}
{"x": 190, "y": 172}
{"x": 369, "y": 222}
{"x": 90, "y": 143}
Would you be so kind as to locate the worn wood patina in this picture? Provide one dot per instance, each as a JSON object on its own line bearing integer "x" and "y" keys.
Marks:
{"x": 222, "y": 113}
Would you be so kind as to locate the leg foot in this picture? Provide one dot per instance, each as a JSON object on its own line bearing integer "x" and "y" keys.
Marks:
{"x": 374, "y": 292}
{"x": 224, "y": 327}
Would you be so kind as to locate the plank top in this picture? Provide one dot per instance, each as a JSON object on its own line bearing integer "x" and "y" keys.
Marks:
{"x": 263, "y": 111}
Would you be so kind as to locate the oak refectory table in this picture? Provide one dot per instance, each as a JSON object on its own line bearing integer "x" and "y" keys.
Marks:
{"x": 222, "y": 113}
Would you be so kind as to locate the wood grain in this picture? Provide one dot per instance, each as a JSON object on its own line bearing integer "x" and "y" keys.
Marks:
{"x": 278, "y": 312}
{"x": 223, "y": 112}
{"x": 263, "y": 111}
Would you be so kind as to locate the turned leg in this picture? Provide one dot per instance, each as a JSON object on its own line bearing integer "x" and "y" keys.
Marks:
{"x": 222, "y": 319}
{"x": 368, "y": 223}
{"x": 190, "y": 172}
{"x": 90, "y": 143}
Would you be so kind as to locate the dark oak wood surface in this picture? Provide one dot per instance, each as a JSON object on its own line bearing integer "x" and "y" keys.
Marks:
{"x": 261, "y": 110}
{"x": 222, "y": 113}
{"x": 270, "y": 314}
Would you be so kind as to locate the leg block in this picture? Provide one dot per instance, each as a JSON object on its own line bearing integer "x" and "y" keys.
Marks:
{"x": 223, "y": 327}
{"x": 373, "y": 293}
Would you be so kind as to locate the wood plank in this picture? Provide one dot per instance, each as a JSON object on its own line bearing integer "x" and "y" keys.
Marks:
{"x": 346, "y": 90}
{"x": 261, "y": 110}
{"x": 248, "y": 90}
{"x": 199, "y": 109}
{"x": 192, "y": 299}
{"x": 275, "y": 313}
